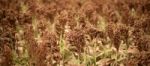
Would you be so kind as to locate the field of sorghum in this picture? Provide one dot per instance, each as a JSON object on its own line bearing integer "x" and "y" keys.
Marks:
{"x": 74, "y": 32}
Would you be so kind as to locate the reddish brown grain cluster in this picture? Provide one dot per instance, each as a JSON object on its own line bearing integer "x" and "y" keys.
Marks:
{"x": 76, "y": 40}
{"x": 127, "y": 21}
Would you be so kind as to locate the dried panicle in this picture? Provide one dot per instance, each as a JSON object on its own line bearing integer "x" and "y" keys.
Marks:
{"x": 46, "y": 12}
{"x": 31, "y": 43}
{"x": 39, "y": 59}
{"x": 6, "y": 56}
{"x": 144, "y": 58}
{"x": 24, "y": 18}
{"x": 110, "y": 30}
{"x": 50, "y": 42}
{"x": 76, "y": 39}
{"x": 88, "y": 8}
{"x": 143, "y": 43}
{"x": 117, "y": 39}
{"x": 94, "y": 32}
{"x": 8, "y": 4}
{"x": 146, "y": 26}
{"x": 6, "y": 45}
{"x": 82, "y": 21}
{"x": 7, "y": 18}
{"x": 132, "y": 62}
{"x": 42, "y": 26}
{"x": 124, "y": 30}
{"x": 62, "y": 19}
{"x": 137, "y": 33}
{"x": 7, "y": 36}
{"x": 124, "y": 33}
{"x": 140, "y": 39}
{"x": 144, "y": 6}
{"x": 121, "y": 33}
{"x": 116, "y": 33}
{"x": 65, "y": 15}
